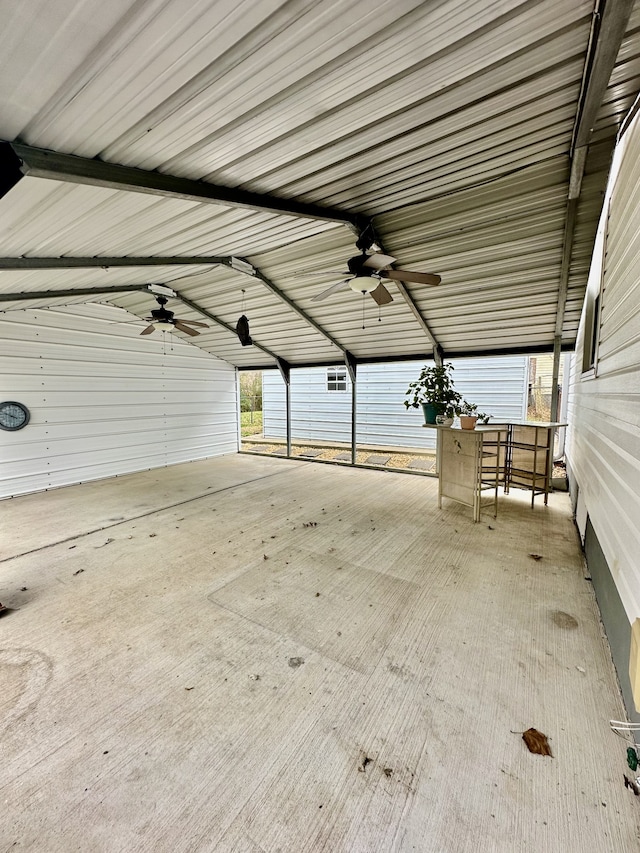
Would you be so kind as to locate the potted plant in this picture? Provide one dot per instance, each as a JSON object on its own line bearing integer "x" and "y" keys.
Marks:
{"x": 469, "y": 415}
{"x": 434, "y": 391}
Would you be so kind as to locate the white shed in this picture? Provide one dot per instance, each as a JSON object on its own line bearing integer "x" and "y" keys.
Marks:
{"x": 321, "y": 400}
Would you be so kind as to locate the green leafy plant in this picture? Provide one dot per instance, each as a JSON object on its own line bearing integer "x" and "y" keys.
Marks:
{"x": 435, "y": 386}
{"x": 471, "y": 410}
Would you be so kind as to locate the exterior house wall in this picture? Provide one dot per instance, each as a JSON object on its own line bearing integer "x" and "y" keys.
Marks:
{"x": 603, "y": 449}
{"x": 497, "y": 385}
{"x": 105, "y": 401}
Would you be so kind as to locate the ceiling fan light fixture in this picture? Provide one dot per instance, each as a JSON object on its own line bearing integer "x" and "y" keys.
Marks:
{"x": 364, "y": 283}
{"x": 163, "y": 326}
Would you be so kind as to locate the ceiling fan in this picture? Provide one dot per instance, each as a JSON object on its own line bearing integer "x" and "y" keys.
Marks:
{"x": 368, "y": 270}
{"x": 163, "y": 319}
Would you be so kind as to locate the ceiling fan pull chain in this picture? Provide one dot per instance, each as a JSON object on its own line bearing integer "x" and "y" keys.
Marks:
{"x": 363, "y": 297}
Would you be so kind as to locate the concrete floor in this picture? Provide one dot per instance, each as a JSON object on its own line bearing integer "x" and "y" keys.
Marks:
{"x": 255, "y": 654}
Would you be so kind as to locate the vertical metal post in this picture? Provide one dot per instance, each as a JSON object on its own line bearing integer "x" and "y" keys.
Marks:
{"x": 557, "y": 342}
{"x": 352, "y": 368}
{"x": 285, "y": 371}
{"x": 288, "y": 403}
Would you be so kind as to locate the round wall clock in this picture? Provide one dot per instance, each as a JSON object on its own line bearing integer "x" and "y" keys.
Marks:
{"x": 13, "y": 415}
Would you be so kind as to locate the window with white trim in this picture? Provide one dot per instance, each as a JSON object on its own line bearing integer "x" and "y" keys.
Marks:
{"x": 336, "y": 378}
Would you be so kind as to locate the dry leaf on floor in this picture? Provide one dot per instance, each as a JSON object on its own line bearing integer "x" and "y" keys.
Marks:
{"x": 537, "y": 742}
{"x": 536, "y": 556}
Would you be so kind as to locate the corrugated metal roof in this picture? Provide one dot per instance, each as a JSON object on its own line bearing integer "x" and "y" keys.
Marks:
{"x": 451, "y": 122}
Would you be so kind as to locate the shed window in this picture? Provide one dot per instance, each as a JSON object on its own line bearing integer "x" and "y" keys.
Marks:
{"x": 591, "y": 335}
{"x": 336, "y": 379}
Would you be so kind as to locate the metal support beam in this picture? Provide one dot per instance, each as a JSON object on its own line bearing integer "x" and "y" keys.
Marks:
{"x": 78, "y": 291}
{"x": 555, "y": 375}
{"x": 240, "y": 265}
{"x": 354, "y": 410}
{"x": 40, "y": 163}
{"x": 610, "y": 21}
{"x": 285, "y": 371}
{"x": 124, "y": 288}
{"x": 219, "y": 322}
{"x": 565, "y": 263}
{"x": 437, "y": 349}
{"x": 106, "y": 262}
{"x": 244, "y": 266}
{"x": 351, "y": 363}
{"x": 10, "y": 172}
{"x": 352, "y": 369}
{"x": 408, "y": 298}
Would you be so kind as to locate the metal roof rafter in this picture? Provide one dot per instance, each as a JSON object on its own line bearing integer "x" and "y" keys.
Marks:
{"x": 42, "y": 163}
{"x": 51, "y": 263}
{"x": 237, "y": 264}
{"x": 126, "y": 288}
{"x": 408, "y": 298}
{"x": 608, "y": 27}
{"x": 246, "y": 267}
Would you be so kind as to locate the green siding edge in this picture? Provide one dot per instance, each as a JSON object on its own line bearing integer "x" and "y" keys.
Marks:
{"x": 614, "y": 616}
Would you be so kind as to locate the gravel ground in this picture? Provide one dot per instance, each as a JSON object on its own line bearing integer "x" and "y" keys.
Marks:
{"x": 397, "y": 460}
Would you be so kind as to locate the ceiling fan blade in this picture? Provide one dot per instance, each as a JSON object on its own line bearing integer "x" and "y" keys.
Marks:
{"x": 148, "y": 330}
{"x": 334, "y": 287}
{"x": 412, "y": 275}
{"x": 381, "y": 295}
{"x": 378, "y": 262}
{"x": 182, "y": 328}
{"x": 192, "y": 323}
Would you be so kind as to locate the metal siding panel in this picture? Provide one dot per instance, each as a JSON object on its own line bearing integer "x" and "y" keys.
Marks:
{"x": 104, "y": 402}
{"x": 604, "y": 444}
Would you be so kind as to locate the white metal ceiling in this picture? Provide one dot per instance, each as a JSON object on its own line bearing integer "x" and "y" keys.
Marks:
{"x": 449, "y": 121}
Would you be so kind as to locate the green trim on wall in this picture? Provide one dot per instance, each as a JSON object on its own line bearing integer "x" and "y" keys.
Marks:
{"x": 614, "y": 616}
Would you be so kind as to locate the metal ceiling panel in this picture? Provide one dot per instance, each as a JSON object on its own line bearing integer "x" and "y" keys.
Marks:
{"x": 452, "y": 122}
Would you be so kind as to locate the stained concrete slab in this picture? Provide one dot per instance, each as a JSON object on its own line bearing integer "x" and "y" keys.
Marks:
{"x": 151, "y": 698}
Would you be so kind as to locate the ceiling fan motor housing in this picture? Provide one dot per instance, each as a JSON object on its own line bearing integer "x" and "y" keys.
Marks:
{"x": 162, "y": 314}
{"x": 356, "y": 266}
{"x": 365, "y": 278}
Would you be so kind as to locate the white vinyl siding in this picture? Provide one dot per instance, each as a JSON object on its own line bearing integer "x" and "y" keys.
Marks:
{"x": 105, "y": 401}
{"x": 497, "y": 385}
{"x": 604, "y": 416}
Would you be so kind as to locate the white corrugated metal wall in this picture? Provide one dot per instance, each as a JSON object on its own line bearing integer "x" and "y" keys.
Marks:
{"x": 105, "y": 401}
{"x": 604, "y": 446}
{"x": 498, "y": 385}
